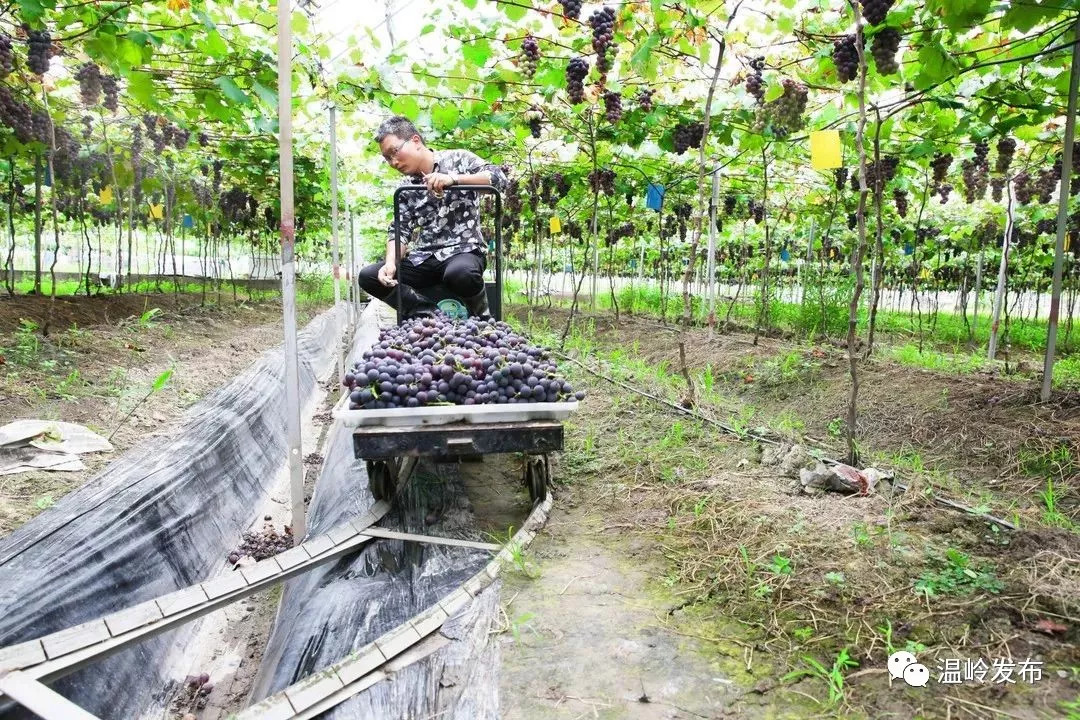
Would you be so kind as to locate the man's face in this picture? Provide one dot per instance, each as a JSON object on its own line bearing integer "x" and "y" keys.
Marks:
{"x": 402, "y": 154}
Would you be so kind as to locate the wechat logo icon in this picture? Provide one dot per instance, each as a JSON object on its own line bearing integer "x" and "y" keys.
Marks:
{"x": 904, "y": 666}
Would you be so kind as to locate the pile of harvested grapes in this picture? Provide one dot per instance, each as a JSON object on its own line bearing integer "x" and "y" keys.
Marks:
{"x": 441, "y": 361}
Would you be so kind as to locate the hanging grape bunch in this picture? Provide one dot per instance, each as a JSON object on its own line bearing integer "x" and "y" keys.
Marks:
{"x": 612, "y": 106}
{"x": 218, "y": 165}
{"x": 440, "y": 361}
{"x": 88, "y": 126}
{"x": 841, "y": 176}
{"x": 687, "y": 136}
{"x": 754, "y": 85}
{"x": 204, "y": 139}
{"x": 546, "y": 186}
{"x": 16, "y": 115}
{"x": 576, "y": 71}
{"x": 167, "y": 133}
{"x": 756, "y": 210}
{"x": 602, "y": 180}
{"x": 1047, "y": 182}
{"x": 883, "y": 47}
{"x": 571, "y": 8}
{"x": 1006, "y": 147}
{"x": 89, "y": 77}
{"x": 875, "y": 10}
{"x": 943, "y": 191}
{"x": 535, "y": 118}
{"x": 562, "y": 185}
{"x": 111, "y": 89}
{"x": 940, "y": 165}
{"x": 1047, "y": 226}
{"x": 39, "y": 47}
{"x": 181, "y": 138}
{"x": 785, "y": 113}
{"x": 602, "y": 22}
{"x": 997, "y": 185}
{"x": 7, "y": 55}
{"x": 41, "y": 124}
{"x": 900, "y": 199}
{"x": 530, "y": 55}
{"x": 730, "y": 201}
{"x": 846, "y": 58}
{"x": 645, "y": 99}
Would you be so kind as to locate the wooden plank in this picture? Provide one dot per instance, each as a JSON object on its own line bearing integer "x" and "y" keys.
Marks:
{"x": 223, "y": 584}
{"x": 455, "y": 602}
{"x": 292, "y": 557}
{"x": 432, "y": 539}
{"x": 75, "y": 638}
{"x": 341, "y": 533}
{"x": 15, "y": 657}
{"x": 313, "y": 688}
{"x": 317, "y": 545}
{"x": 429, "y": 621}
{"x": 457, "y": 439}
{"x": 444, "y": 414}
{"x": 181, "y": 600}
{"x": 261, "y": 570}
{"x": 133, "y": 617}
{"x": 360, "y": 663}
{"x": 476, "y": 584}
{"x": 40, "y": 699}
{"x": 493, "y": 568}
{"x": 398, "y": 640}
{"x": 275, "y": 707}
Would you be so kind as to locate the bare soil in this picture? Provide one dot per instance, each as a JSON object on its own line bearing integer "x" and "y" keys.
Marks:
{"x": 771, "y": 580}
{"x": 99, "y": 362}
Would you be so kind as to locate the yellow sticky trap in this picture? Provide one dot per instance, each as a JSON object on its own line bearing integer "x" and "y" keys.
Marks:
{"x": 105, "y": 196}
{"x": 1068, "y": 241}
{"x": 555, "y": 225}
{"x": 925, "y": 274}
{"x": 825, "y": 152}
{"x": 157, "y": 212}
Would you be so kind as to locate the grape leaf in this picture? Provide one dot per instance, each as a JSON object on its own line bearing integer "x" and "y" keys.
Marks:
{"x": 232, "y": 90}
{"x": 477, "y": 52}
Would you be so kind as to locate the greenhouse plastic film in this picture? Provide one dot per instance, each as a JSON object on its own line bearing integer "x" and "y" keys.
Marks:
{"x": 160, "y": 518}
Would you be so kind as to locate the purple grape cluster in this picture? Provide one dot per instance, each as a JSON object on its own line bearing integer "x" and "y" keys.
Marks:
{"x": 571, "y": 8}
{"x": 7, "y": 55}
{"x": 997, "y": 185}
{"x": 1047, "y": 182}
{"x": 602, "y": 180}
{"x": 875, "y": 10}
{"x": 645, "y": 99}
{"x": 754, "y": 85}
{"x": 39, "y": 48}
{"x": 576, "y": 71}
{"x": 602, "y": 22}
{"x": 900, "y": 199}
{"x": 785, "y": 113}
{"x": 940, "y": 165}
{"x": 840, "y": 175}
{"x": 612, "y": 106}
{"x": 16, "y": 115}
{"x": 730, "y": 201}
{"x": 846, "y": 58}
{"x": 1006, "y": 147}
{"x": 440, "y": 361}
{"x": 111, "y": 88}
{"x": 687, "y": 136}
{"x": 530, "y": 55}
{"x": 1023, "y": 188}
{"x": 883, "y": 47}
{"x": 264, "y": 544}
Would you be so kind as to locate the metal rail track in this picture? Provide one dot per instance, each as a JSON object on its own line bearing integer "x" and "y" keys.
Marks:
{"x": 25, "y": 668}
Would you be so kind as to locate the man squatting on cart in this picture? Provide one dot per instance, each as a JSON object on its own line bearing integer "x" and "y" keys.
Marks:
{"x": 448, "y": 246}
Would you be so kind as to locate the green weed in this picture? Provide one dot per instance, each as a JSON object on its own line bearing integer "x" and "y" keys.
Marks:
{"x": 833, "y": 677}
{"x": 956, "y": 574}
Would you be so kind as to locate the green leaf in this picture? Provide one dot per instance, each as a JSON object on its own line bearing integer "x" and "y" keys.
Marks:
{"x": 492, "y": 91}
{"x": 936, "y": 65}
{"x": 232, "y": 90}
{"x": 299, "y": 24}
{"x": 774, "y": 90}
{"x": 477, "y": 53}
{"x": 515, "y": 13}
{"x": 32, "y": 10}
{"x": 128, "y": 53}
{"x": 961, "y": 14}
{"x": 268, "y": 96}
{"x": 214, "y": 45}
{"x": 162, "y": 380}
{"x": 405, "y": 105}
{"x": 469, "y": 4}
{"x": 705, "y": 52}
{"x": 445, "y": 116}
{"x": 1025, "y": 16}
{"x": 640, "y": 59}
{"x": 140, "y": 87}
{"x": 427, "y": 29}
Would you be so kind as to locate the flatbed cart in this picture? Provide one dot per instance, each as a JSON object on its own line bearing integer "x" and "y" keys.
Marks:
{"x": 390, "y": 441}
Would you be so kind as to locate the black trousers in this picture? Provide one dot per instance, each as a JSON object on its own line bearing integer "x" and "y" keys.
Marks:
{"x": 461, "y": 274}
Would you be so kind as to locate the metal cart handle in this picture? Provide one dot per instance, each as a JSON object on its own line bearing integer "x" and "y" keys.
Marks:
{"x": 483, "y": 189}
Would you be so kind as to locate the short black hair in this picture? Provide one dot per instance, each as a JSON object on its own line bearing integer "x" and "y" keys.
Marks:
{"x": 400, "y": 126}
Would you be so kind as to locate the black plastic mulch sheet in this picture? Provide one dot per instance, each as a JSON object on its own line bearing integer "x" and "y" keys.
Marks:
{"x": 162, "y": 517}
{"x": 329, "y": 612}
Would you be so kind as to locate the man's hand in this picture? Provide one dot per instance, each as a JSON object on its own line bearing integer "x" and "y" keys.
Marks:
{"x": 387, "y": 273}
{"x": 437, "y": 182}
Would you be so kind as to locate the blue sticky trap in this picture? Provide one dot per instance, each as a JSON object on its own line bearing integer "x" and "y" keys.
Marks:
{"x": 633, "y": 263}
{"x": 785, "y": 255}
{"x": 48, "y": 177}
{"x": 654, "y": 196}
{"x": 189, "y": 222}
{"x": 908, "y": 249}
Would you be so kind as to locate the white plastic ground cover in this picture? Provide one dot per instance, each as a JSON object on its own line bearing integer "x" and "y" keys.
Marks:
{"x": 334, "y": 610}
{"x": 162, "y": 517}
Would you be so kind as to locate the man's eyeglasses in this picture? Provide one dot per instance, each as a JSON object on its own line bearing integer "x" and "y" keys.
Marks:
{"x": 389, "y": 157}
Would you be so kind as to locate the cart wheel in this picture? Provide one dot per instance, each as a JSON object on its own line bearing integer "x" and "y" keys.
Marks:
{"x": 380, "y": 479}
{"x": 536, "y": 478}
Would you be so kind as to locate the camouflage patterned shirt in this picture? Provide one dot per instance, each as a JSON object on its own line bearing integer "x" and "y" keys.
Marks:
{"x": 450, "y": 225}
